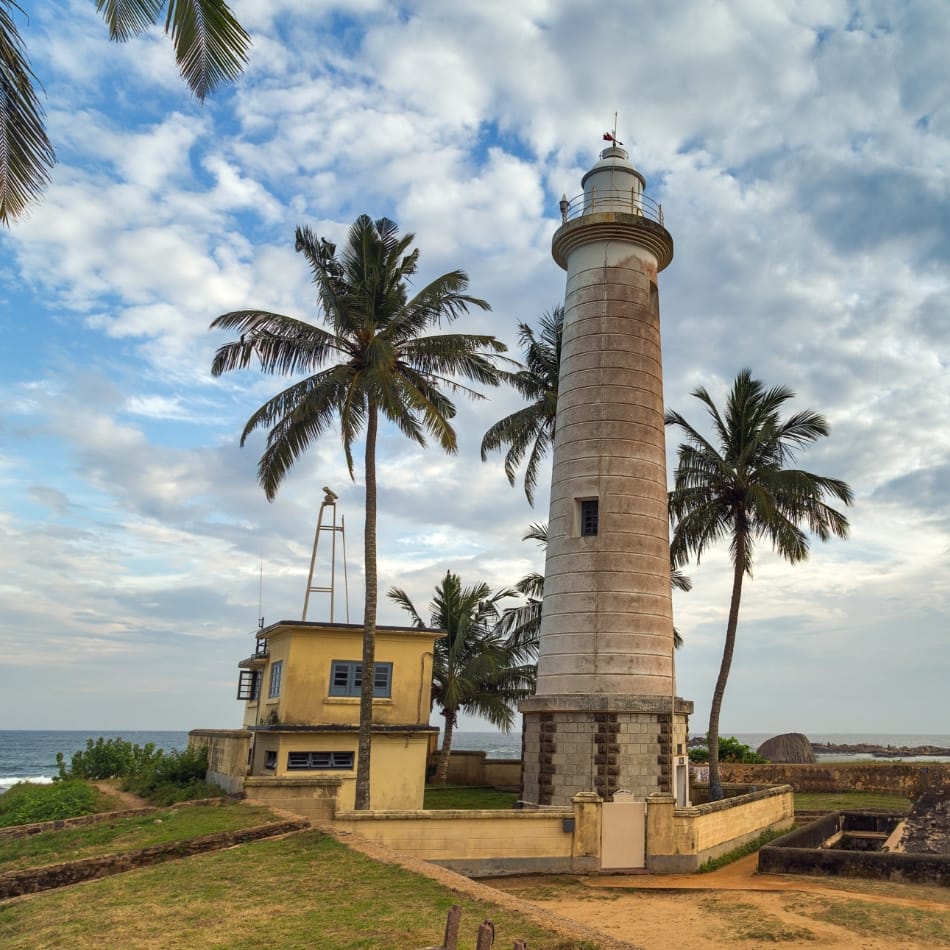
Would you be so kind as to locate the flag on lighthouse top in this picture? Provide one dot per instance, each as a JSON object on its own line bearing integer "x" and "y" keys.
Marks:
{"x": 610, "y": 137}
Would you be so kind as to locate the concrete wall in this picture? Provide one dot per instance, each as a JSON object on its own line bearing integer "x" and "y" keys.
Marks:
{"x": 503, "y": 773}
{"x": 682, "y": 839}
{"x": 227, "y": 756}
{"x": 313, "y": 798}
{"x": 562, "y": 840}
{"x": 476, "y": 843}
{"x": 474, "y": 768}
{"x": 909, "y": 779}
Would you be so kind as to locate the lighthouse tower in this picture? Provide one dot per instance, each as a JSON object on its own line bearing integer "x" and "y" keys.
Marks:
{"x": 605, "y": 716}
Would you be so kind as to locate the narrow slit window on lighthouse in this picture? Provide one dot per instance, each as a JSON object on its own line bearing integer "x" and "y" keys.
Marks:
{"x": 589, "y": 518}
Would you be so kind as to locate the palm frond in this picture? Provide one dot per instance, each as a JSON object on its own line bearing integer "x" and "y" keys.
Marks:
{"x": 211, "y": 47}
{"x": 128, "y": 18}
{"x": 281, "y": 344}
{"x": 26, "y": 155}
{"x": 530, "y": 431}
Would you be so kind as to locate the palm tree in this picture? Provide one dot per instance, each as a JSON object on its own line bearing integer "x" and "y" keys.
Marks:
{"x": 537, "y": 381}
{"x": 210, "y": 48}
{"x": 375, "y": 360}
{"x": 474, "y": 668}
{"x": 741, "y": 489}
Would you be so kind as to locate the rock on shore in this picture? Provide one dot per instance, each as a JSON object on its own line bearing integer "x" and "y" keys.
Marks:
{"x": 879, "y": 751}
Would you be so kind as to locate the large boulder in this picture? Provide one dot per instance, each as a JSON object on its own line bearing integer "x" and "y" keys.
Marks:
{"x": 789, "y": 747}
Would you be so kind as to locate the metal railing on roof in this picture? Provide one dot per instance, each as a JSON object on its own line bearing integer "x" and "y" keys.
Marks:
{"x": 627, "y": 202}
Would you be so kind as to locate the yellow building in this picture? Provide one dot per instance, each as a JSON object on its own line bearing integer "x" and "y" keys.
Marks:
{"x": 301, "y": 717}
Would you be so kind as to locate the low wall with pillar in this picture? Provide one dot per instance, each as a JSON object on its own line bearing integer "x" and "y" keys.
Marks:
{"x": 484, "y": 843}
{"x": 314, "y": 798}
{"x": 683, "y": 839}
{"x": 227, "y": 756}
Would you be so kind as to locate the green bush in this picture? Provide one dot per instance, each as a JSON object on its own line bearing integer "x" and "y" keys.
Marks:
{"x": 730, "y": 750}
{"x": 163, "y": 778}
{"x": 172, "y": 777}
{"x": 25, "y": 803}
{"x": 108, "y": 758}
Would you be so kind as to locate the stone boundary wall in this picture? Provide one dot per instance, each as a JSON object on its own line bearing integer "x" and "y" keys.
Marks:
{"x": 227, "y": 751}
{"x": 909, "y": 779}
{"x": 32, "y": 880}
{"x": 37, "y": 827}
{"x": 800, "y": 852}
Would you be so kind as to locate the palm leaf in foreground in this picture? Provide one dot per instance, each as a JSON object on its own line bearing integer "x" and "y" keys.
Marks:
{"x": 211, "y": 48}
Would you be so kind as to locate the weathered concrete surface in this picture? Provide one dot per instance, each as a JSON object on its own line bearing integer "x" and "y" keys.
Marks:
{"x": 927, "y": 829}
{"x": 800, "y": 852}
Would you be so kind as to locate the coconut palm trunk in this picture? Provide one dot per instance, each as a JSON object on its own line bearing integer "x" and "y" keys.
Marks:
{"x": 364, "y": 746}
{"x": 442, "y": 770}
{"x": 712, "y": 735}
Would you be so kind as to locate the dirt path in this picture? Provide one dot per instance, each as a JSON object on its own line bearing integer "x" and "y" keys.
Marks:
{"x": 736, "y": 907}
{"x": 122, "y": 799}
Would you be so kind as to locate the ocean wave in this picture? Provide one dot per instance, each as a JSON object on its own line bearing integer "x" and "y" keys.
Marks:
{"x": 11, "y": 780}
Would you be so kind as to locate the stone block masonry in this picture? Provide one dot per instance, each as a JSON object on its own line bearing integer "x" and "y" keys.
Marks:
{"x": 628, "y": 744}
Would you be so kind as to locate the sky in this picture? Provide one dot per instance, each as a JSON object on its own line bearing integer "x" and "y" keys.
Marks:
{"x": 801, "y": 153}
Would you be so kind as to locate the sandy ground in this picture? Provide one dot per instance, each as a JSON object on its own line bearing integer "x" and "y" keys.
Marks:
{"x": 731, "y": 908}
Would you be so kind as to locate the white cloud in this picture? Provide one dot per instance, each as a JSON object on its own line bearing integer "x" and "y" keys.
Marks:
{"x": 800, "y": 155}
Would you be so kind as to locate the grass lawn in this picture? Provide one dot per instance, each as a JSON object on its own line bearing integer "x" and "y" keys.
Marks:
{"x": 452, "y": 796}
{"x": 303, "y": 892}
{"x": 850, "y": 801}
{"x": 127, "y": 834}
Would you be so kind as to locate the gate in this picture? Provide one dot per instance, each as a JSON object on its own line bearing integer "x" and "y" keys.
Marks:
{"x": 623, "y": 833}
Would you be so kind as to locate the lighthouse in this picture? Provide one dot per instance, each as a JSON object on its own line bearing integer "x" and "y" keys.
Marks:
{"x": 605, "y": 716}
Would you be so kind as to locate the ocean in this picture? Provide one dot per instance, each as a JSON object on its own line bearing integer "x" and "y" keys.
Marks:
{"x": 30, "y": 755}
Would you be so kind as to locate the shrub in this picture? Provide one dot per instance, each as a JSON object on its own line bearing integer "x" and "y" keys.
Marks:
{"x": 25, "y": 803}
{"x": 161, "y": 777}
{"x": 112, "y": 758}
{"x": 172, "y": 777}
{"x": 730, "y": 750}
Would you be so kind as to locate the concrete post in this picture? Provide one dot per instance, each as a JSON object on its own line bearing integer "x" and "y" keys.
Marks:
{"x": 585, "y": 845}
{"x": 660, "y": 836}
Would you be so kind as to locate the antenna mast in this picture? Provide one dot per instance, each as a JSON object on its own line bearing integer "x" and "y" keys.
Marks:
{"x": 326, "y": 521}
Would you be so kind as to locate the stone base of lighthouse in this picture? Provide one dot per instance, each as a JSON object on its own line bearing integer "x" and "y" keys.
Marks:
{"x": 601, "y": 743}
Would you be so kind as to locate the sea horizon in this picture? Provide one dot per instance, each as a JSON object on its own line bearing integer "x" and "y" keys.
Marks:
{"x": 29, "y": 755}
